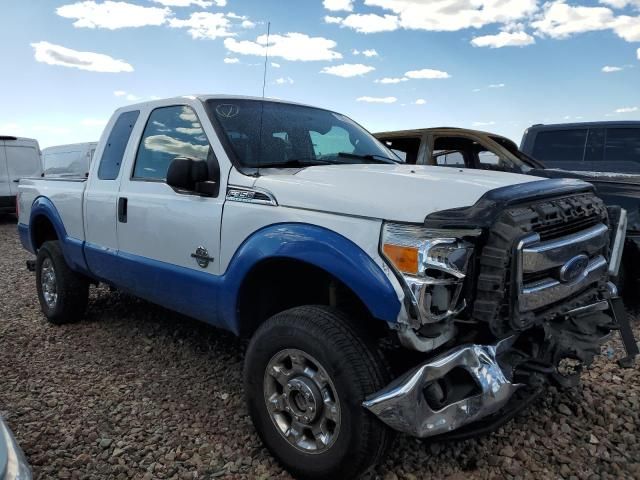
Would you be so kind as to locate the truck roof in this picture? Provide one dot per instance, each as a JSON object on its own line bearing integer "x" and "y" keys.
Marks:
{"x": 14, "y": 138}
{"x": 205, "y": 97}
{"x": 67, "y": 145}
{"x": 608, "y": 123}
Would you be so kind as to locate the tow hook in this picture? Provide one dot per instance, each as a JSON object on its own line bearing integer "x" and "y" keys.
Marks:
{"x": 31, "y": 265}
{"x": 626, "y": 333}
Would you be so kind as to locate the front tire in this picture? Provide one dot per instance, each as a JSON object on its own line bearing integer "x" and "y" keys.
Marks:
{"x": 307, "y": 371}
{"x": 63, "y": 293}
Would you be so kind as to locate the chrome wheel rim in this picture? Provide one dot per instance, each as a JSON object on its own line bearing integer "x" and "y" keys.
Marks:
{"x": 48, "y": 283}
{"x": 302, "y": 401}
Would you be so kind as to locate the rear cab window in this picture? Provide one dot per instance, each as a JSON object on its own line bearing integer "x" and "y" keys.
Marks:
{"x": 113, "y": 152}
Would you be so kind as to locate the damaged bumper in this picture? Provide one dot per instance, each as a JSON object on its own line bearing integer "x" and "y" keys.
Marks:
{"x": 420, "y": 404}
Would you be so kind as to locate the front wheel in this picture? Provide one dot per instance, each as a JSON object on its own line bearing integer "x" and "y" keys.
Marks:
{"x": 63, "y": 293}
{"x": 306, "y": 373}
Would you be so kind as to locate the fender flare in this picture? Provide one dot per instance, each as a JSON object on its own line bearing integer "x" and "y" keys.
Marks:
{"x": 317, "y": 246}
{"x": 71, "y": 248}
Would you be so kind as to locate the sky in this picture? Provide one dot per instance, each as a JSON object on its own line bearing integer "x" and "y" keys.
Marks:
{"x": 495, "y": 65}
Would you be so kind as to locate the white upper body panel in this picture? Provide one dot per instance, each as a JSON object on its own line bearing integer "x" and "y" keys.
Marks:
{"x": 404, "y": 193}
{"x": 20, "y": 158}
{"x": 66, "y": 195}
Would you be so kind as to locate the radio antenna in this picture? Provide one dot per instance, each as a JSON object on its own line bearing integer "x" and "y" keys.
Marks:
{"x": 266, "y": 59}
{"x": 264, "y": 85}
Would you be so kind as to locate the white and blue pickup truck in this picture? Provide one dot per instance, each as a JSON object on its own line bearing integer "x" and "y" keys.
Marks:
{"x": 378, "y": 296}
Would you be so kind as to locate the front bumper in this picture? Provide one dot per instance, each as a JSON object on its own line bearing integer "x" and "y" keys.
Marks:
{"x": 403, "y": 406}
{"x": 13, "y": 464}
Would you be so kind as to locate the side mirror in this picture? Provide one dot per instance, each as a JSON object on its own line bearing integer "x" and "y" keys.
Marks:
{"x": 190, "y": 174}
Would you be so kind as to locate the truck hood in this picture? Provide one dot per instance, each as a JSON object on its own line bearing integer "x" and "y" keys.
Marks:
{"x": 406, "y": 193}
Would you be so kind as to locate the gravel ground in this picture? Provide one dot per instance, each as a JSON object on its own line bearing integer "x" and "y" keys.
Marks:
{"x": 135, "y": 391}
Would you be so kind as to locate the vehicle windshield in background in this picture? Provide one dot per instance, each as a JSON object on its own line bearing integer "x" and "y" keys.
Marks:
{"x": 264, "y": 134}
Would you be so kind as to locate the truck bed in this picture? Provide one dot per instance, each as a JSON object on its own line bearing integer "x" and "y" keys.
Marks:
{"x": 66, "y": 195}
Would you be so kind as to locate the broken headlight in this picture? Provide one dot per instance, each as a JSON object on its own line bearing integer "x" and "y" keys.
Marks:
{"x": 433, "y": 265}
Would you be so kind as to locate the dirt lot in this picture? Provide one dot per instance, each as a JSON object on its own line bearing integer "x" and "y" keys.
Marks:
{"x": 135, "y": 391}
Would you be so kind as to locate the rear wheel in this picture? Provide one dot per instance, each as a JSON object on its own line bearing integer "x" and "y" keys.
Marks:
{"x": 63, "y": 293}
{"x": 307, "y": 371}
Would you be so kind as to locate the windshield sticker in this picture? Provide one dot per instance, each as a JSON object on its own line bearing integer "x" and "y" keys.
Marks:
{"x": 227, "y": 110}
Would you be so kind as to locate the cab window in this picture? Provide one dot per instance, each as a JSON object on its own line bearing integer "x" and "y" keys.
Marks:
{"x": 170, "y": 132}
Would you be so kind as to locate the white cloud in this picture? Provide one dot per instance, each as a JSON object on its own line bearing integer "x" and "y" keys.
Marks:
{"x": 231, "y": 60}
{"x": 610, "y": 69}
{"x": 369, "y": 22}
{"x": 420, "y": 101}
{"x": 336, "y": 5}
{"x": 483, "y": 124}
{"x": 275, "y": 65}
{"x": 638, "y": 54}
{"x": 367, "y": 53}
{"x": 248, "y": 24}
{"x": 496, "y": 85}
{"x": 627, "y": 28}
{"x": 204, "y": 25}
{"x": 621, "y": 3}
{"x": 52, "y": 54}
{"x": 392, "y": 80}
{"x": 626, "y": 110}
{"x": 334, "y": 20}
{"x": 377, "y": 99}
{"x": 559, "y": 20}
{"x": 129, "y": 96}
{"x": 290, "y": 46}
{"x": 453, "y": 15}
{"x": 112, "y": 15}
{"x": 347, "y": 70}
{"x": 427, "y": 73}
{"x": 188, "y": 3}
{"x": 504, "y": 39}
{"x": 284, "y": 81}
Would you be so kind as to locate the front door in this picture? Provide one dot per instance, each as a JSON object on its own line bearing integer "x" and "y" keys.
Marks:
{"x": 169, "y": 240}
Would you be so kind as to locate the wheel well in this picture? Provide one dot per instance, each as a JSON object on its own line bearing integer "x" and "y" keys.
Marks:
{"x": 276, "y": 285}
{"x": 43, "y": 231}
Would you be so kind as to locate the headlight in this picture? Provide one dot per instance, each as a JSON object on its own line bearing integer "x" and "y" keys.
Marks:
{"x": 433, "y": 265}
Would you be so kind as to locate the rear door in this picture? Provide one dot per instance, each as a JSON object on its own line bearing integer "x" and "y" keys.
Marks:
{"x": 23, "y": 161}
{"x": 101, "y": 198}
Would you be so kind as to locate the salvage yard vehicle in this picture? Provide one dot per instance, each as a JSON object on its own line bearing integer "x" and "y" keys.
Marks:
{"x": 71, "y": 160}
{"x": 463, "y": 148}
{"x": 19, "y": 158}
{"x": 295, "y": 227}
{"x": 13, "y": 464}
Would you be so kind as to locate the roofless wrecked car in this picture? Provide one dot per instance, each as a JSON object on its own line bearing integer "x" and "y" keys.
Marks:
{"x": 293, "y": 226}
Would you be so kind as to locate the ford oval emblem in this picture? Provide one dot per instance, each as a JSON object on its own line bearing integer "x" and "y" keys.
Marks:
{"x": 574, "y": 268}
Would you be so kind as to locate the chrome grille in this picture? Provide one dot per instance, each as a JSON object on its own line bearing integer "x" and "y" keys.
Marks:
{"x": 540, "y": 263}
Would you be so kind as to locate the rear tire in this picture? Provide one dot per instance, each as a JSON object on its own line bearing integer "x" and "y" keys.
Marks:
{"x": 307, "y": 371}
{"x": 63, "y": 293}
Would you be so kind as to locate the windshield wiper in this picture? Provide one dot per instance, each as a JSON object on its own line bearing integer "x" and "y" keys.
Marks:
{"x": 298, "y": 162}
{"x": 371, "y": 157}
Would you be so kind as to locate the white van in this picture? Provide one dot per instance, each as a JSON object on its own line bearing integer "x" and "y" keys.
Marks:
{"x": 68, "y": 160}
{"x": 19, "y": 158}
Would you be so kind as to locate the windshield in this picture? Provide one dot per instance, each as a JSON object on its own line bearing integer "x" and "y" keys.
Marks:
{"x": 264, "y": 134}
